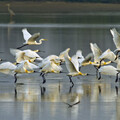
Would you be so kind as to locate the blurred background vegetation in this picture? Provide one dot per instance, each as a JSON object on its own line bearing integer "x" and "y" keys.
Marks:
{"x": 90, "y": 1}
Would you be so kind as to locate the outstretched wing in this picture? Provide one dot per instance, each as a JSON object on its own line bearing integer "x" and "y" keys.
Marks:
{"x": 26, "y": 34}
{"x": 74, "y": 60}
{"x": 80, "y": 57}
{"x": 116, "y": 37}
{"x": 14, "y": 51}
{"x": 96, "y": 51}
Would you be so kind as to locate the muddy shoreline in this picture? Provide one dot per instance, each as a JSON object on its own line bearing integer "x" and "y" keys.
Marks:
{"x": 58, "y": 7}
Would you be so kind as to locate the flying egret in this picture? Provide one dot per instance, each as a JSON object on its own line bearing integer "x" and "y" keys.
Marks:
{"x": 50, "y": 67}
{"x": 7, "y": 67}
{"x": 24, "y": 67}
{"x": 62, "y": 54}
{"x": 83, "y": 61}
{"x": 46, "y": 60}
{"x": 97, "y": 53}
{"x": 22, "y": 55}
{"x": 109, "y": 70}
{"x": 72, "y": 66}
{"x": 31, "y": 39}
{"x": 108, "y": 54}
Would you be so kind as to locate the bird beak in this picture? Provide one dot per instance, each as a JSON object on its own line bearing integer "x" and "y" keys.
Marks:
{"x": 45, "y": 39}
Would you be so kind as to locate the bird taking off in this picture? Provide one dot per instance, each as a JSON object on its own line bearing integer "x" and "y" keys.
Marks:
{"x": 30, "y": 39}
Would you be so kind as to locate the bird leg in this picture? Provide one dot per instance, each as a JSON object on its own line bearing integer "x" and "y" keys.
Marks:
{"x": 43, "y": 76}
{"x": 117, "y": 77}
{"x": 70, "y": 78}
{"x": 41, "y": 73}
{"x": 22, "y": 46}
{"x": 116, "y": 88}
{"x": 96, "y": 71}
{"x": 117, "y": 55}
{"x": 79, "y": 68}
{"x": 99, "y": 74}
{"x": 15, "y": 77}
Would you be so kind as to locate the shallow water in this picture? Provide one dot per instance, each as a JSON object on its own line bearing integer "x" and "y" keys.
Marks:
{"x": 29, "y": 99}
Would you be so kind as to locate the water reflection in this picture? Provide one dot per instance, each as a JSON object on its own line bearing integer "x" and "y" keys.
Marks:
{"x": 34, "y": 98}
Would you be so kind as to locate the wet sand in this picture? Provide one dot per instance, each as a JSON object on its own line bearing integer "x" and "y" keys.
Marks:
{"x": 59, "y": 7}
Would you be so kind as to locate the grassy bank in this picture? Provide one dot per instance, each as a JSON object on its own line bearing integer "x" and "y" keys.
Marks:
{"x": 58, "y": 7}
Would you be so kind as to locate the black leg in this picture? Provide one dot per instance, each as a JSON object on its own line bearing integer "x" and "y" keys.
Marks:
{"x": 99, "y": 74}
{"x": 116, "y": 88}
{"x": 22, "y": 46}
{"x": 96, "y": 71}
{"x": 117, "y": 77}
{"x": 15, "y": 77}
{"x": 79, "y": 68}
{"x": 70, "y": 78}
{"x": 43, "y": 76}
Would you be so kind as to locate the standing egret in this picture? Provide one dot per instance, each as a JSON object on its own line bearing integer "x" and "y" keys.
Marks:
{"x": 10, "y": 11}
{"x": 31, "y": 39}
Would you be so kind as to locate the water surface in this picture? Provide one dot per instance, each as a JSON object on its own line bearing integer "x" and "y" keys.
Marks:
{"x": 33, "y": 100}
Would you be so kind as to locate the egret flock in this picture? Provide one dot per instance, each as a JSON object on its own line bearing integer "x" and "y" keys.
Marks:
{"x": 29, "y": 61}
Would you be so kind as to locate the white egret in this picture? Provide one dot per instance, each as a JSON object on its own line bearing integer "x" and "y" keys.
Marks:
{"x": 97, "y": 53}
{"x": 11, "y": 12}
{"x": 108, "y": 54}
{"x": 24, "y": 67}
{"x": 22, "y": 55}
{"x": 72, "y": 66}
{"x": 31, "y": 39}
{"x": 7, "y": 67}
{"x": 50, "y": 67}
{"x": 109, "y": 70}
{"x": 46, "y": 60}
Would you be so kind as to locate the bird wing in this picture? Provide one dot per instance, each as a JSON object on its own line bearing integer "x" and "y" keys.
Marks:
{"x": 108, "y": 54}
{"x": 80, "y": 57}
{"x": 30, "y": 66}
{"x": 116, "y": 37}
{"x": 33, "y": 37}
{"x": 20, "y": 56}
{"x": 88, "y": 58}
{"x": 14, "y": 51}
{"x": 31, "y": 54}
{"x": 70, "y": 66}
{"x": 74, "y": 60}
{"x": 7, "y": 65}
{"x": 96, "y": 51}
{"x": 26, "y": 34}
